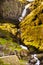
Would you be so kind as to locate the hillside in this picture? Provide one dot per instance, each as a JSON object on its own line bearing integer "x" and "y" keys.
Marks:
{"x": 32, "y": 28}
{"x": 21, "y": 38}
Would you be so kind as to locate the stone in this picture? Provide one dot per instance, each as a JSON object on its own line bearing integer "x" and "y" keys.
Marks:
{"x": 10, "y": 9}
{"x": 12, "y": 60}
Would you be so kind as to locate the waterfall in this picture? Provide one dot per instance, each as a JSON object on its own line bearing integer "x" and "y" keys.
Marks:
{"x": 24, "y": 12}
{"x": 37, "y": 60}
{"x": 23, "y": 47}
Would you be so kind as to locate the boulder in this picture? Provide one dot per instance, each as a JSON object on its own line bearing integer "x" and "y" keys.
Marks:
{"x": 11, "y": 60}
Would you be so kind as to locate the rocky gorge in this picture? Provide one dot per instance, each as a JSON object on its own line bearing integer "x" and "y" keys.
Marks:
{"x": 21, "y": 38}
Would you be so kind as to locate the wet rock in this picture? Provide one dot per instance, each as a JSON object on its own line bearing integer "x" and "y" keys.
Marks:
{"x": 42, "y": 62}
{"x": 24, "y": 54}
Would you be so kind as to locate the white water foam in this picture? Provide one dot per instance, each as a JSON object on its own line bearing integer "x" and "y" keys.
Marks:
{"x": 30, "y": 0}
{"x": 35, "y": 57}
{"x": 24, "y": 12}
{"x": 23, "y": 47}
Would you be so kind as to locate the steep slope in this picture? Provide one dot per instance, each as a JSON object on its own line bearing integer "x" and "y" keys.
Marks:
{"x": 32, "y": 28}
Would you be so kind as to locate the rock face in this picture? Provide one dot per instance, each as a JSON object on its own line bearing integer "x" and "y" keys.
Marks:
{"x": 10, "y": 60}
{"x": 11, "y": 9}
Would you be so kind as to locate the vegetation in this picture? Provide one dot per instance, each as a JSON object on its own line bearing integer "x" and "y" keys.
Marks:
{"x": 8, "y": 27}
{"x": 28, "y": 32}
{"x": 2, "y": 63}
{"x": 31, "y": 28}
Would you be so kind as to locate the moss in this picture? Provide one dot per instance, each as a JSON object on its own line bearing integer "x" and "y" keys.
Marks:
{"x": 23, "y": 62}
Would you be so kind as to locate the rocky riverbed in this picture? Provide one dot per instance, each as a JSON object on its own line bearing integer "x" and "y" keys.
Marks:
{"x": 34, "y": 59}
{"x": 25, "y": 58}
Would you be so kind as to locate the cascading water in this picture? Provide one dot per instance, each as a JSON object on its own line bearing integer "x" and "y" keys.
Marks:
{"x": 23, "y": 47}
{"x": 35, "y": 58}
{"x": 24, "y": 12}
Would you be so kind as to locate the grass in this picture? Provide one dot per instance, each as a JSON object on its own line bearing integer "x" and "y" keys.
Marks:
{"x": 10, "y": 44}
{"x": 23, "y": 62}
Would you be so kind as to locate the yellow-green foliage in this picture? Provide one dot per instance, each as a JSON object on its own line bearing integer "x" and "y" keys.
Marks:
{"x": 37, "y": 3}
{"x": 22, "y": 1}
{"x": 8, "y": 27}
{"x": 32, "y": 28}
